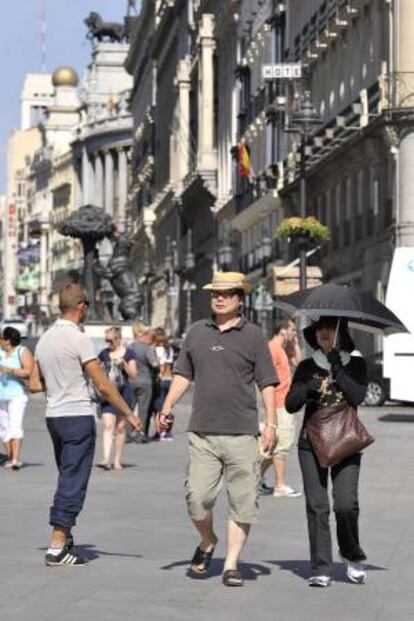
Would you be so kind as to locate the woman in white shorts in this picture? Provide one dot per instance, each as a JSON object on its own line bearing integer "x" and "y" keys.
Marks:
{"x": 15, "y": 366}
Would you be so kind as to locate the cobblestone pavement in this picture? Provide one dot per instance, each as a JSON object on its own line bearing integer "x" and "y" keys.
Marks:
{"x": 135, "y": 530}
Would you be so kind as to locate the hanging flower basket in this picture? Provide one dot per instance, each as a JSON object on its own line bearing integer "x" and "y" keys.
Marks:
{"x": 309, "y": 228}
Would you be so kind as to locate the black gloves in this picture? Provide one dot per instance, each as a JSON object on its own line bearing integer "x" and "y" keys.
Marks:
{"x": 334, "y": 358}
{"x": 313, "y": 387}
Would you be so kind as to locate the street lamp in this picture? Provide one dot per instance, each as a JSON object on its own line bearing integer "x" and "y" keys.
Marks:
{"x": 264, "y": 303}
{"x": 304, "y": 121}
{"x": 225, "y": 251}
{"x": 170, "y": 264}
{"x": 188, "y": 286}
{"x": 266, "y": 251}
{"x": 147, "y": 274}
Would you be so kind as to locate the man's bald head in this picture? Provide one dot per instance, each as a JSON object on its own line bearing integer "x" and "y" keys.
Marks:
{"x": 69, "y": 297}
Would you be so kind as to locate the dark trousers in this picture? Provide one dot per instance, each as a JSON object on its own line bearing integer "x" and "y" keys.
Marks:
{"x": 143, "y": 396}
{"x": 161, "y": 393}
{"x": 73, "y": 440}
{"x": 345, "y": 478}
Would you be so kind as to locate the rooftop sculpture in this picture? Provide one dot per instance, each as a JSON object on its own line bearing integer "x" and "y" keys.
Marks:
{"x": 100, "y": 29}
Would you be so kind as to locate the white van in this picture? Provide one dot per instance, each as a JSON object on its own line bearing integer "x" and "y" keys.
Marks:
{"x": 398, "y": 349}
{"x": 18, "y": 323}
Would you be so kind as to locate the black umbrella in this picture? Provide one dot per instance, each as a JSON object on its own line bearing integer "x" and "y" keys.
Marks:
{"x": 362, "y": 310}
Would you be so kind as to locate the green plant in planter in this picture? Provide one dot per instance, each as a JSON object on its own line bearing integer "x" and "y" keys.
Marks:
{"x": 310, "y": 227}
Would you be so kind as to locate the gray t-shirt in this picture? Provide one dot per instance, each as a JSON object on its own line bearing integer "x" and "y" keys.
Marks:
{"x": 146, "y": 360}
{"x": 61, "y": 353}
{"x": 225, "y": 367}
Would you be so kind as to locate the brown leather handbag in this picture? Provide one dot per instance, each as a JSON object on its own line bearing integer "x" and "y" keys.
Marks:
{"x": 336, "y": 433}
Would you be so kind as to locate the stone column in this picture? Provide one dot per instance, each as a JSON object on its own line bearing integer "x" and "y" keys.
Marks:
{"x": 109, "y": 183}
{"x": 99, "y": 181}
{"x": 183, "y": 83}
{"x": 405, "y": 201}
{"x": 404, "y": 85}
{"x": 78, "y": 198}
{"x": 122, "y": 183}
{"x": 206, "y": 153}
{"x": 85, "y": 177}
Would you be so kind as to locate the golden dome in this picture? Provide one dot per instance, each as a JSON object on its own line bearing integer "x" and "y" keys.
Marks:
{"x": 65, "y": 76}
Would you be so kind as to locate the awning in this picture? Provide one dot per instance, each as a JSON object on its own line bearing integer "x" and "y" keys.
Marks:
{"x": 248, "y": 217}
{"x": 286, "y": 278}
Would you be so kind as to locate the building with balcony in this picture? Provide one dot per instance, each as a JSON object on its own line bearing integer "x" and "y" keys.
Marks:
{"x": 357, "y": 58}
{"x": 174, "y": 161}
{"x": 37, "y": 253}
{"x": 73, "y": 150}
{"x": 22, "y": 145}
{"x": 103, "y": 139}
{"x": 360, "y": 59}
{"x": 200, "y": 98}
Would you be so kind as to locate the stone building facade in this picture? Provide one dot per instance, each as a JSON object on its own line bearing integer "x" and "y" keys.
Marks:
{"x": 199, "y": 93}
{"x": 73, "y": 149}
{"x": 174, "y": 163}
{"x": 103, "y": 135}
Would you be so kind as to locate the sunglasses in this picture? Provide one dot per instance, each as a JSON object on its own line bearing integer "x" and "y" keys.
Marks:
{"x": 224, "y": 294}
{"x": 85, "y": 302}
{"x": 109, "y": 341}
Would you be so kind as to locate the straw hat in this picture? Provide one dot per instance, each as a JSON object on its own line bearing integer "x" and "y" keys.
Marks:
{"x": 225, "y": 281}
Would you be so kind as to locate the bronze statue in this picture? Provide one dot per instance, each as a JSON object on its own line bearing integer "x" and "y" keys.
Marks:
{"x": 90, "y": 224}
{"x": 122, "y": 278}
{"x": 131, "y": 6}
{"x": 99, "y": 29}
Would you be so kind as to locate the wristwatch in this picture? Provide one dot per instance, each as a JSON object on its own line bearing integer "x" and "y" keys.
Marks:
{"x": 271, "y": 425}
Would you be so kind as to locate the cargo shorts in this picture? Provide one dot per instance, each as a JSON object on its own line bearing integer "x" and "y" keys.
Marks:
{"x": 286, "y": 433}
{"x": 218, "y": 459}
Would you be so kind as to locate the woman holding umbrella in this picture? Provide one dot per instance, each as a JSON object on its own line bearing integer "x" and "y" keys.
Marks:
{"x": 330, "y": 376}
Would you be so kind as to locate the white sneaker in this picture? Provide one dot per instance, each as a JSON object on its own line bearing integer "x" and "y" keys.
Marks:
{"x": 355, "y": 572}
{"x": 320, "y": 581}
{"x": 286, "y": 491}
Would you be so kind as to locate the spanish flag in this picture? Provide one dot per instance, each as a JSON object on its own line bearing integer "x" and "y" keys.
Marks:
{"x": 243, "y": 160}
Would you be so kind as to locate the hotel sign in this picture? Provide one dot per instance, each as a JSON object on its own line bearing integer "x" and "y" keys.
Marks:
{"x": 282, "y": 71}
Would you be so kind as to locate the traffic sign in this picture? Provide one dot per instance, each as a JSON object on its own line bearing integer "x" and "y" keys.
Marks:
{"x": 282, "y": 71}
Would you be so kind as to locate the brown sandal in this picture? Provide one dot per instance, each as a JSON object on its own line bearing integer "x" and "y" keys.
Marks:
{"x": 232, "y": 578}
{"x": 201, "y": 561}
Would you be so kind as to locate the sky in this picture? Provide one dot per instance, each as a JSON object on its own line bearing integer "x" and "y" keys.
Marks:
{"x": 20, "y": 49}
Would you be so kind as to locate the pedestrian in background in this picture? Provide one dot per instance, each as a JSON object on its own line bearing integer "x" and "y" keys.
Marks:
{"x": 286, "y": 421}
{"x": 165, "y": 355}
{"x": 16, "y": 364}
{"x": 226, "y": 357}
{"x": 119, "y": 364}
{"x": 147, "y": 362}
{"x": 292, "y": 347}
{"x": 328, "y": 377}
{"x": 64, "y": 362}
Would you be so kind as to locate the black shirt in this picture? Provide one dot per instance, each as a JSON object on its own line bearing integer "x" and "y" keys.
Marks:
{"x": 225, "y": 366}
{"x": 349, "y": 383}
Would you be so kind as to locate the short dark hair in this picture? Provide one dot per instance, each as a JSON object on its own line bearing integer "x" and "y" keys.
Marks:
{"x": 12, "y": 335}
{"x": 70, "y": 295}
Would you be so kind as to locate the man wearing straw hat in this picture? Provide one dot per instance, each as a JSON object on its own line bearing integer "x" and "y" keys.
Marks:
{"x": 226, "y": 357}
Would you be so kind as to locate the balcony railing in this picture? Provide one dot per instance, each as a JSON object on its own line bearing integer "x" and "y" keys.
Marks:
{"x": 398, "y": 90}
{"x": 358, "y": 228}
{"x": 370, "y": 222}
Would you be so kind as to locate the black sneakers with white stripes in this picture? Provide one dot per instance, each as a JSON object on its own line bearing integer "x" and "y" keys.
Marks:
{"x": 68, "y": 556}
